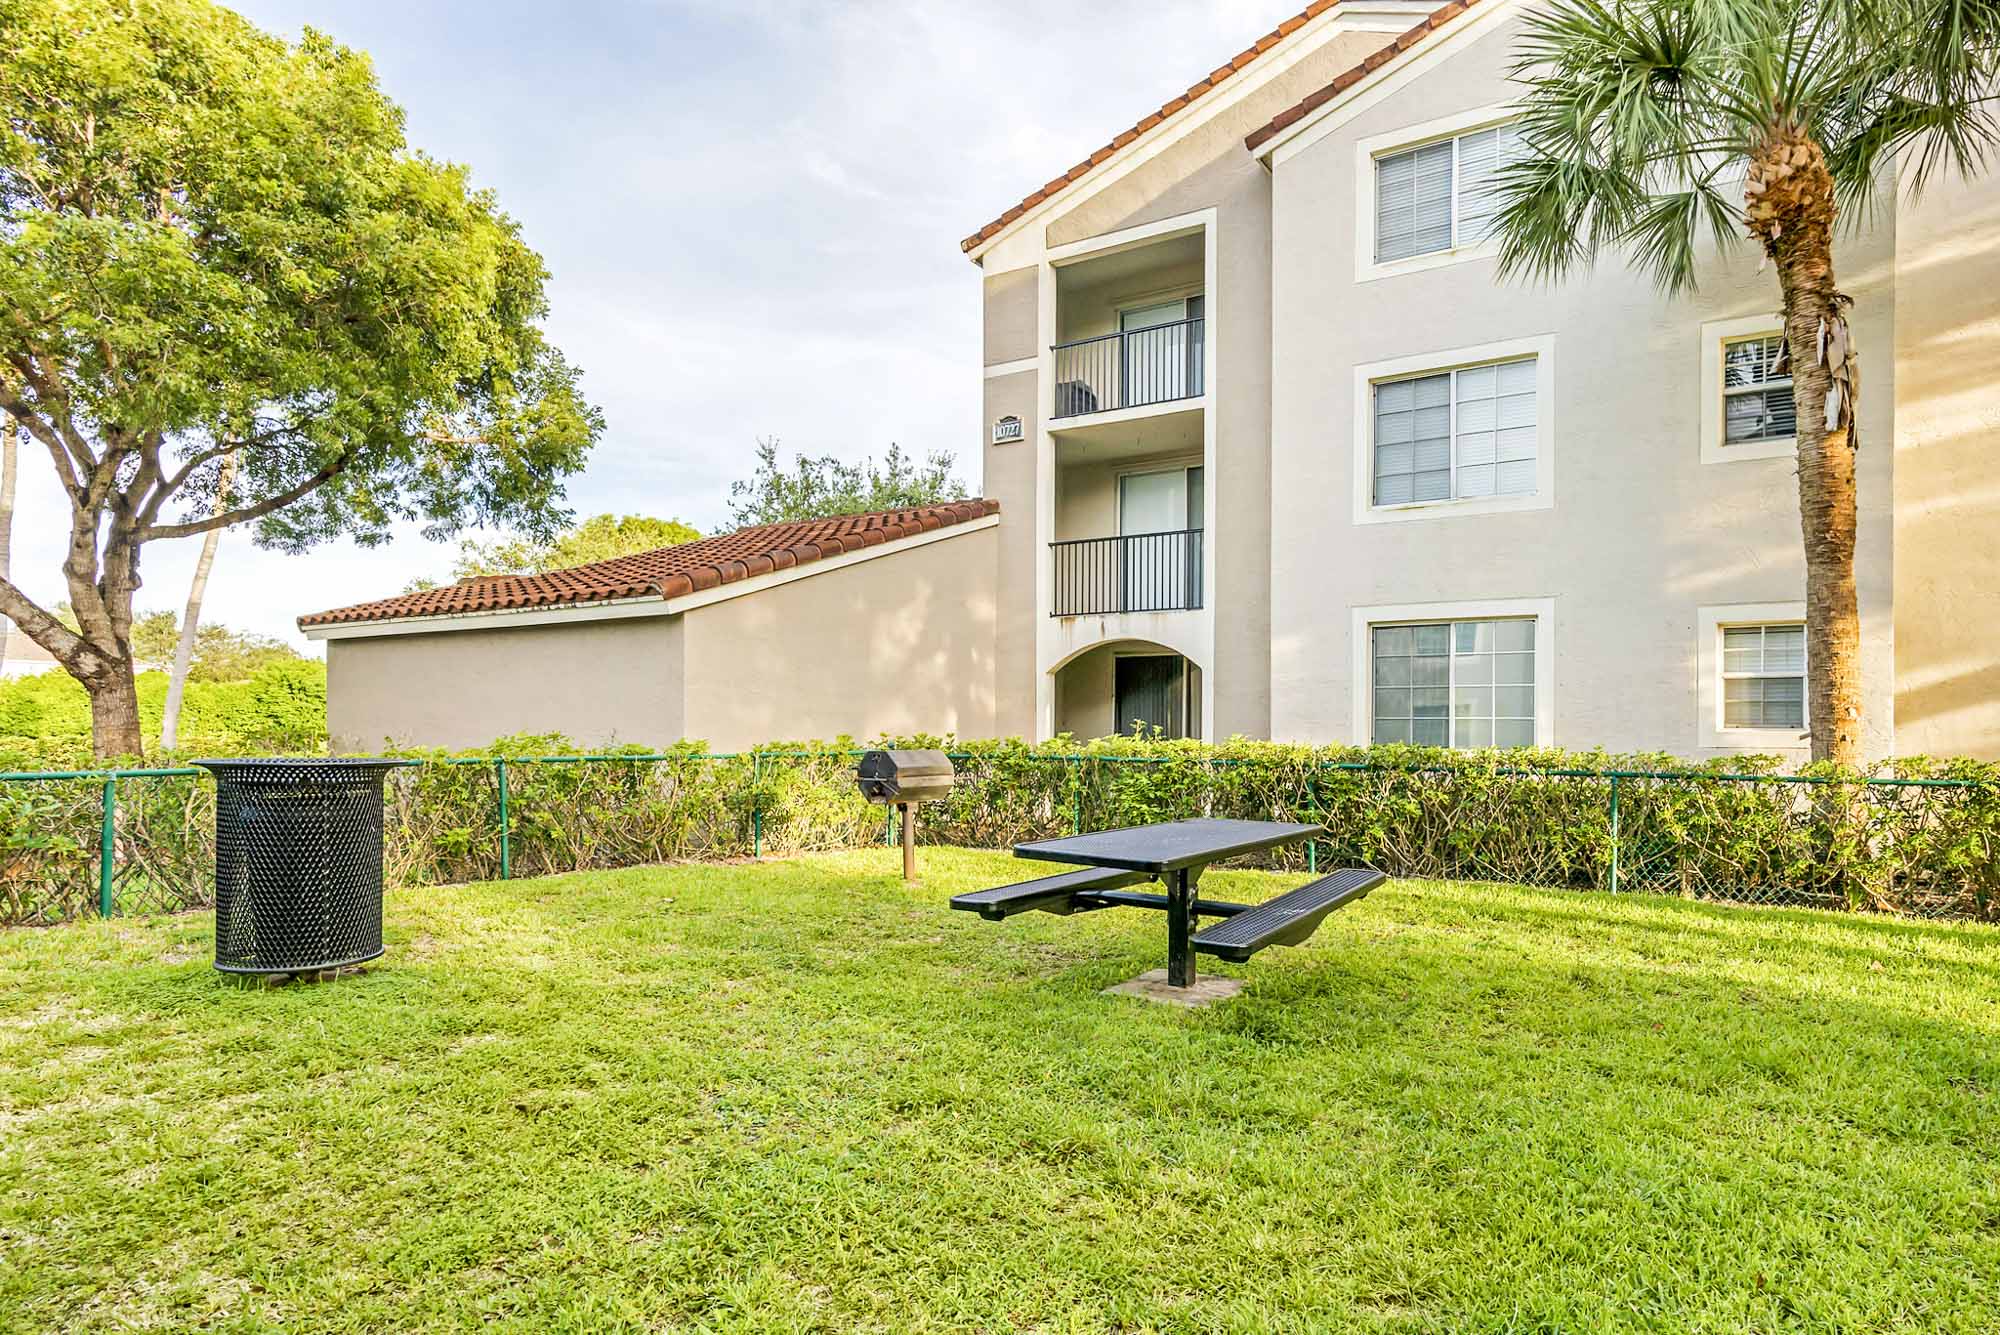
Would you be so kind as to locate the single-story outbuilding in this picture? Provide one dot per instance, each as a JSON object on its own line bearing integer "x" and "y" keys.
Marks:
{"x": 858, "y": 624}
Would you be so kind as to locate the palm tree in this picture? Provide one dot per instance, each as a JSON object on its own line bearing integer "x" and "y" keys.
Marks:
{"x": 1640, "y": 118}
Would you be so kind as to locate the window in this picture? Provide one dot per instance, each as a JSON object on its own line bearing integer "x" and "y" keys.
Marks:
{"x": 1756, "y": 391}
{"x": 1442, "y": 195}
{"x": 1763, "y": 676}
{"x": 1456, "y": 435}
{"x": 1455, "y": 683}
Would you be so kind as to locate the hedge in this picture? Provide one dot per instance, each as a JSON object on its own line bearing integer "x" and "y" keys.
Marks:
{"x": 1918, "y": 837}
{"x": 45, "y": 719}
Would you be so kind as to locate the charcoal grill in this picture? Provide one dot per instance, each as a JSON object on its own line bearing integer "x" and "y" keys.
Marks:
{"x": 904, "y": 779}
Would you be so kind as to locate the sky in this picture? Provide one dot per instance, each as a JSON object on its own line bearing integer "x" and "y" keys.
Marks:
{"x": 751, "y": 212}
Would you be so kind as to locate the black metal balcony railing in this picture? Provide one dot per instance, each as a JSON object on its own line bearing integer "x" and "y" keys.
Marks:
{"x": 1141, "y": 572}
{"x": 1157, "y": 364}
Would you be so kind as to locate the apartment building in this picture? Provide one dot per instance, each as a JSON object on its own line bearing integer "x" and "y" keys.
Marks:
{"x": 1277, "y": 453}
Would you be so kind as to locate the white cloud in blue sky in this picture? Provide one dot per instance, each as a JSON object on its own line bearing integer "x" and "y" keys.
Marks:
{"x": 751, "y": 209}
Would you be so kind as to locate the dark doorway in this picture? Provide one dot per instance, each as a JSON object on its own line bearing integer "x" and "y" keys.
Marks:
{"x": 1151, "y": 692}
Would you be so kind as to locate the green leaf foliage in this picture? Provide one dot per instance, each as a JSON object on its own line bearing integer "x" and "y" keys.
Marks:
{"x": 1639, "y": 115}
{"x": 219, "y": 237}
{"x": 813, "y": 488}
{"x": 598, "y": 538}
{"x": 1923, "y": 842}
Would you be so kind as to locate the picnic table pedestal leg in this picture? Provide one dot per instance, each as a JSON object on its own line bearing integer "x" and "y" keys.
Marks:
{"x": 1180, "y": 927}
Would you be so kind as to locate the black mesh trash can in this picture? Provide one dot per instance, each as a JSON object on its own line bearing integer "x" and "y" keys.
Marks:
{"x": 298, "y": 863}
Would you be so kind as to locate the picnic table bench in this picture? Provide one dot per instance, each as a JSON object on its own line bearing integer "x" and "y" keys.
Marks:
{"x": 1176, "y": 853}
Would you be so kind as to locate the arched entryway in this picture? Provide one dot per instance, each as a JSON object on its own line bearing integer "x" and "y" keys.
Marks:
{"x": 1127, "y": 685}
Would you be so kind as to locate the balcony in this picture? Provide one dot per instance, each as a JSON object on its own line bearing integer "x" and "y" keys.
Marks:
{"x": 1159, "y": 363}
{"x": 1140, "y": 572}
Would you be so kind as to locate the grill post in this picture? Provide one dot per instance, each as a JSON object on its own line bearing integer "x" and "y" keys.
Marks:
{"x": 909, "y": 842}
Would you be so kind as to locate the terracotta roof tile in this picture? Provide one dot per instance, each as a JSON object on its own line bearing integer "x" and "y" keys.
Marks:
{"x": 1346, "y": 79}
{"x": 667, "y": 572}
{"x": 1220, "y": 75}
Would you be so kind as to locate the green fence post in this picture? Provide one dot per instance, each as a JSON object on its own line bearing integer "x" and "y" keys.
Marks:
{"x": 506, "y": 826}
{"x": 756, "y": 805}
{"x": 1312, "y": 845}
{"x": 1076, "y": 796}
{"x": 106, "y": 846}
{"x": 1614, "y": 834}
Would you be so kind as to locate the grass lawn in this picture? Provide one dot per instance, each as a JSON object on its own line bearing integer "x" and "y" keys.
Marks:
{"x": 800, "y": 1096}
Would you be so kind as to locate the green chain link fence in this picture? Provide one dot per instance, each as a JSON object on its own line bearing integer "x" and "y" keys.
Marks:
{"x": 78, "y": 843}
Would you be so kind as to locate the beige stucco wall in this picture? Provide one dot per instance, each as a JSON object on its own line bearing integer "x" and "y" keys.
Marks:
{"x": 899, "y": 643}
{"x": 597, "y": 683}
{"x": 1947, "y": 448}
{"x": 1010, "y": 309}
{"x": 1085, "y": 706}
{"x": 1642, "y": 533}
{"x": 1009, "y": 478}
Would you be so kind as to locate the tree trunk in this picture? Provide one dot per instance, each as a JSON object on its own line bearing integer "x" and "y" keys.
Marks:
{"x": 1790, "y": 209}
{"x": 114, "y": 716}
{"x": 191, "y": 619}
{"x": 9, "y": 459}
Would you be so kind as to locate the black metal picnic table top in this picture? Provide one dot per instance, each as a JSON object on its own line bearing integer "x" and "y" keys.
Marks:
{"x": 1171, "y": 846}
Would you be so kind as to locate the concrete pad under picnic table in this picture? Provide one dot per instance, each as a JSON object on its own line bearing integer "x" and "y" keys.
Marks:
{"x": 1152, "y": 985}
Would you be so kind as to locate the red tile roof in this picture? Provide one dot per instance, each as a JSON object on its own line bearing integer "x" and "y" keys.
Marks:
{"x": 1346, "y": 79}
{"x": 668, "y": 572}
{"x": 1214, "y": 80}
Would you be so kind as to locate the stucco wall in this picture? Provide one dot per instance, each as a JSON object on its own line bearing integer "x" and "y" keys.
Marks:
{"x": 1947, "y": 393}
{"x": 1085, "y": 704}
{"x": 1010, "y": 310}
{"x": 1009, "y": 478}
{"x": 597, "y": 683}
{"x": 1642, "y": 533}
{"x": 900, "y": 643}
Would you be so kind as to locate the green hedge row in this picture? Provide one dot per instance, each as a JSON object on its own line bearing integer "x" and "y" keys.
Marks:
{"x": 1922, "y": 840}
{"x": 45, "y": 719}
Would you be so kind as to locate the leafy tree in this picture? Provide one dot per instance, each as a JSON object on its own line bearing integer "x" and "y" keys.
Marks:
{"x": 219, "y": 653}
{"x": 213, "y": 242}
{"x": 815, "y": 488}
{"x": 1640, "y": 115}
{"x": 598, "y": 538}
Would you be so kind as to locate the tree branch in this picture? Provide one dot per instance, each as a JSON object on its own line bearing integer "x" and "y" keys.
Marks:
{"x": 244, "y": 514}
{"x": 24, "y": 413}
{"x": 69, "y": 648}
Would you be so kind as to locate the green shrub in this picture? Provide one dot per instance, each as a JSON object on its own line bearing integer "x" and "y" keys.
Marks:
{"x": 281, "y": 709}
{"x": 1924, "y": 839}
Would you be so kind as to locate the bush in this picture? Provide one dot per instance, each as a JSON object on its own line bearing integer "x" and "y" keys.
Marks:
{"x": 281, "y": 708}
{"x": 1922, "y": 839}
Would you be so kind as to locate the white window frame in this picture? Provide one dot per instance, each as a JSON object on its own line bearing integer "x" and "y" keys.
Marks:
{"x": 1366, "y": 151}
{"x": 1362, "y": 674}
{"x": 1714, "y": 735}
{"x": 1367, "y": 375}
{"x": 1715, "y": 334}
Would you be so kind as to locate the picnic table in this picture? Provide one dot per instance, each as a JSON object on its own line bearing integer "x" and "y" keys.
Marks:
{"x": 1176, "y": 853}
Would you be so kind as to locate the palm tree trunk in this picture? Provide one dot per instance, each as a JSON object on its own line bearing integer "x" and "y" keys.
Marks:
{"x": 1791, "y": 211}
{"x": 9, "y": 461}
{"x": 191, "y": 619}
